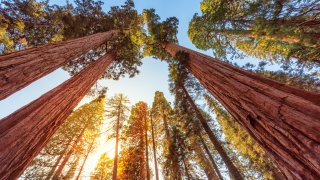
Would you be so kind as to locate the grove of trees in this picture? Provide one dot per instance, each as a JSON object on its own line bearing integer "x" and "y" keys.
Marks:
{"x": 226, "y": 121}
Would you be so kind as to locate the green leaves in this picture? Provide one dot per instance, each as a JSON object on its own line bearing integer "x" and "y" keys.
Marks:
{"x": 159, "y": 33}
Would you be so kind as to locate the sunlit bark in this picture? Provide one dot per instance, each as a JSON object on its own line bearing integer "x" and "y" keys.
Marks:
{"x": 25, "y": 132}
{"x": 282, "y": 119}
{"x": 21, "y": 68}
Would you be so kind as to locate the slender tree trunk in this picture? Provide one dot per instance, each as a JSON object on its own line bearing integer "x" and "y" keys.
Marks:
{"x": 115, "y": 164}
{"x": 55, "y": 165}
{"x": 53, "y": 169}
{"x": 147, "y": 152}
{"x": 208, "y": 168}
{"x": 85, "y": 159}
{"x": 25, "y": 132}
{"x": 154, "y": 150}
{"x": 186, "y": 168}
{"x": 216, "y": 168}
{"x": 235, "y": 174}
{"x": 166, "y": 128}
{"x": 68, "y": 155}
{"x": 72, "y": 169}
{"x": 282, "y": 119}
{"x": 19, "y": 69}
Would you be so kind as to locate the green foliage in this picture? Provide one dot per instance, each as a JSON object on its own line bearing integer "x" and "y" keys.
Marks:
{"x": 159, "y": 33}
{"x": 289, "y": 76}
{"x": 29, "y": 23}
{"x": 88, "y": 117}
{"x": 103, "y": 170}
{"x": 117, "y": 108}
{"x": 286, "y": 30}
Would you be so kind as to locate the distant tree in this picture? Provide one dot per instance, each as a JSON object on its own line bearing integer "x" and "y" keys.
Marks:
{"x": 103, "y": 169}
{"x": 117, "y": 109}
{"x": 179, "y": 78}
{"x": 133, "y": 155}
{"x": 66, "y": 144}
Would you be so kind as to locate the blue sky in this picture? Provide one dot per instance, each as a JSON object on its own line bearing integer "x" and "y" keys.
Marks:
{"x": 153, "y": 76}
{"x": 153, "y": 73}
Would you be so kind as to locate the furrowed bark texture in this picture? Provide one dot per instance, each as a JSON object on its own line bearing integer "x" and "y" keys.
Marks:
{"x": 284, "y": 120}
{"x": 25, "y": 132}
{"x": 21, "y": 68}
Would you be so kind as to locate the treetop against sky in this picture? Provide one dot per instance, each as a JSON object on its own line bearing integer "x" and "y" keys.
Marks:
{"x": 153, "y": 74}
{"x": 255, "y": 63}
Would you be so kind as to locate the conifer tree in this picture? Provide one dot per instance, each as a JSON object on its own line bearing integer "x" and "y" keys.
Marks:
{"x": 258, "y": 104}
{"x": 117, "y": 108}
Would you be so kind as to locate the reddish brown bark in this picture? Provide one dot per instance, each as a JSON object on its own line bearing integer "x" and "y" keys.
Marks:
{"x": 21, "y": 68}
{"x": 233, "y": 171}
{"x": 25, "y": 132}
{"x": 68, "y": 155}
{"x": 154, "y": 149}
{"x": 283, "y": 120}
{"x": 147, "y": 151}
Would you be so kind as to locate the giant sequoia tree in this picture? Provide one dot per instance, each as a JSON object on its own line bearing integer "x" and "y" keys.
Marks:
{"x": 258, "y": 104}
{"x": 283, "y": 120}
{"x": 123, "y": 57}
{"x": 25, "y": 132}
{"x": 117, "y": 111}
{"x": 21, "y": 68}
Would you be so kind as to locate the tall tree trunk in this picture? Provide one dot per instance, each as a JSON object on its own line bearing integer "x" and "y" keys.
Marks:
{"x": 147, "y": 152}
{"x": 282, "y": 119}
{"x": 25, "y": 132}
{"x": 185, "y": 167}
{"x": 21, "y": 68}
{"x": 85, "y": 159}
{"x": 68, "y": 155}
{"x": 235, "y": 174}
{"x": 216, "y": 168}
{"x": 154, "y": 149}
{"x": 208, "y": 168}
{"x": 53, "y": 169}
{"x": 115, "y": 163}
{"x": 166, "y": 128}
{"x": 71, "y": 171}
